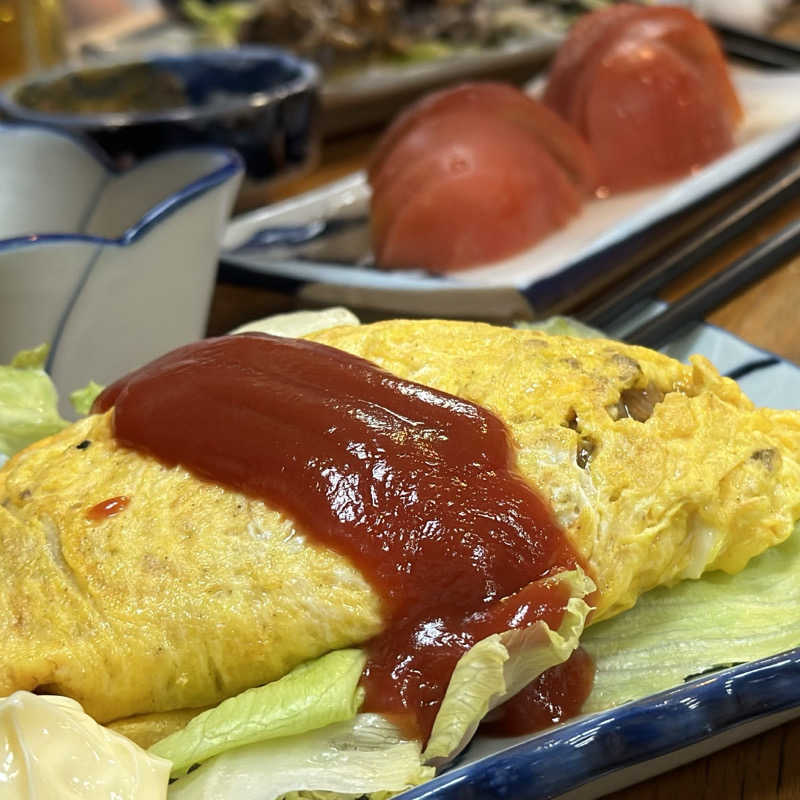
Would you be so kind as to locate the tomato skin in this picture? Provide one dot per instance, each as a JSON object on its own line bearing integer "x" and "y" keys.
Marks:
{"x": 649, "y": 90}
{"x": 480, "y": 189}
{"x": 498, "y": 100}
{"x": 639, "y": 130}
{"x": 473, "y": 174}
{"x": 474, "y": 218}
{"x": 587, "y": 38}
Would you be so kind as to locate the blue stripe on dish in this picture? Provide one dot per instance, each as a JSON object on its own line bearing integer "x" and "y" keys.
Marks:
{"x": 579, "y": 752}
{"x": 254, "y": 83}
{"x": 774, "y": 385}
{"x": 65, "y": 315}
{"x": 752, "y": 366}
{"x": 231, "y": 164}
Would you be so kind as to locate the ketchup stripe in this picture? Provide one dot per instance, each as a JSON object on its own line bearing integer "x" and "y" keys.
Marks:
{"x": 416, "y": 487}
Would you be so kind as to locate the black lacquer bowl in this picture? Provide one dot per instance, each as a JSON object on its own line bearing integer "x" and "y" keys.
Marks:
{"x": 261, "y": 101}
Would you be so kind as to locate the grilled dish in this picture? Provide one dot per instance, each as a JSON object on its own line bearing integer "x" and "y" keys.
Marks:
{"x": 136, "y": 588}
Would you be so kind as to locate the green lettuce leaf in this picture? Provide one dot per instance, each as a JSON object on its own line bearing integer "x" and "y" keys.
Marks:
{"x": 562, "y": 326}
{"x": 497, "y": 667}
{"x": 82, "y": 399}
{"x": 219, "y": 23}
{"x": 302, "y": 733}
{"x": 696, "y": 626}
{"x": 362, "y": 756}
{"x": 311, "y": 696}
{"x": 28, "y": 402}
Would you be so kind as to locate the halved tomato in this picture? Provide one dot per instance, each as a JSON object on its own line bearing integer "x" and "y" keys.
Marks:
{"x": 649, "y": 118}
{"x": 491, "y": 99}
{"x": 484, "y": 190}
{"x": 648, "y": 88}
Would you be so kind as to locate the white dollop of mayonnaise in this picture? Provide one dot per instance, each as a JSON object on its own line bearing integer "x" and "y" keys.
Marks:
{"x": 50, "y": 748}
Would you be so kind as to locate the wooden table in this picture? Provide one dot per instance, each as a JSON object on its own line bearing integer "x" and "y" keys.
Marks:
{"x": 768, "y": 315}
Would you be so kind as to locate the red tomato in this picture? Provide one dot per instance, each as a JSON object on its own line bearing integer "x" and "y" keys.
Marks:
{"x": 649, "y": 118}
{"x": 490, "y": 99}
{"x": 649, "y": 90}
{"x": 481, "y": 189}
{"x": 586, "y": 41}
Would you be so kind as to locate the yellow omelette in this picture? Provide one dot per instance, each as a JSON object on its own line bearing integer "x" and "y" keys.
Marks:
{"x": 657, "y": 471}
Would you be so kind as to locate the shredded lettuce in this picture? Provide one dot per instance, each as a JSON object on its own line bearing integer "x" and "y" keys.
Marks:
{"x": 28, "y": 401}
{"x": 676, "y": 633}
{"x": 300, "y": 323}
{"x": 82, "y": 399}
{"x": 311, "y": 696}
{"x": 497, "y": 667}
{"x": 302, "y": 734}
{"x": 219, "y": 23}
{"x": 362, "y": 756}
{"x": 426, "y": 50}
{"x": 562, "y": 326}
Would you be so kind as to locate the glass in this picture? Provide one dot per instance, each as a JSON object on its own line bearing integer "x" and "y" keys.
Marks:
{"x": 31, "y": 36}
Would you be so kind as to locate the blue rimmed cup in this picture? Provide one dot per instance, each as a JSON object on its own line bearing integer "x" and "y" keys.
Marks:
{"x": 111, "y": 268}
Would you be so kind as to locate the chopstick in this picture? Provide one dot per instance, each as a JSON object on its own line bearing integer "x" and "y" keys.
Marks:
{"x": 694, "y": 306}
{"x": 703, "y": 242}
{"x": 761, "y": 50}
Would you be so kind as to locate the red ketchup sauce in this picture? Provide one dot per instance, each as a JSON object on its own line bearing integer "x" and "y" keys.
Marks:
{"x": 107, "y": 508}
{"x": 416, "y": 487}
{"x": 554, "y": 696}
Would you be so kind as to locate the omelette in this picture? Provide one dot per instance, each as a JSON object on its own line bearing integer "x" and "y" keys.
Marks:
{"x": 190, "y": 592}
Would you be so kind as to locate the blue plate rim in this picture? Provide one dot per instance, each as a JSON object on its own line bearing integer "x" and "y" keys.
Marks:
{"x": 308, "y": 77}
{"x": 648, "y": 728}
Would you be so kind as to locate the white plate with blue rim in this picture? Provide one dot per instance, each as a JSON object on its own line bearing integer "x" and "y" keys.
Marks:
{"x": 316, "y": 245}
